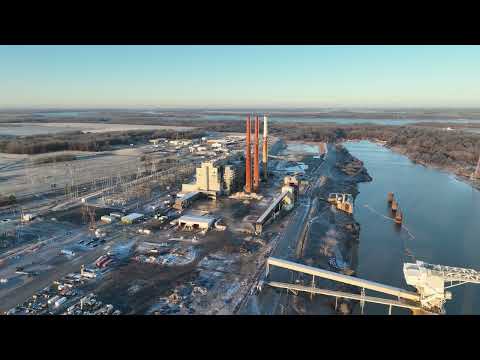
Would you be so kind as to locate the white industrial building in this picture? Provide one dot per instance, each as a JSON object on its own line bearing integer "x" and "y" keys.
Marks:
{"x": 131, "y": 218}
{"x": 213, "y": 179}
{"x": 186, "y": 200}
{"x": 196, "y": 222}
{"x": 181, "y": 142}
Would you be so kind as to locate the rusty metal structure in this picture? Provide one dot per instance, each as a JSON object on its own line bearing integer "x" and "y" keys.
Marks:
{"x": 390, "y": 197}
{"x": 342, "y": 202}
{"x": 248, "y": 159}
{"x": 265, "y": 147}
{"x": 256, "y": 169}
{"x": 394, "y": 205}
{"x": 398, "y": 217}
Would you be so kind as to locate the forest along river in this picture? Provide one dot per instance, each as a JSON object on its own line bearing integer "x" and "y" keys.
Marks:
{"x": 441, "y": 216}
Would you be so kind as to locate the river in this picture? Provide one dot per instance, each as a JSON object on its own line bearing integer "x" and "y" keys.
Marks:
{"x": 279, "y": 119}
{"x": 441, "y": 215}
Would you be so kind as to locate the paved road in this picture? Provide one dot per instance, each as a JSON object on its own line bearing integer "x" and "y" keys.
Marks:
{"x": 270, "y": 301}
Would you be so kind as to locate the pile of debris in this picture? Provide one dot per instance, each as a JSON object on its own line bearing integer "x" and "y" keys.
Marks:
{"x": 180, "y": 300}
{"x": 90, "y": 305}
{"x": 352, "y": 168}
{"x": 169, "y": 257}
{"x": 249, "y": 247}
{"x": 246, "y": 196}
{"x": 216, "y": 262}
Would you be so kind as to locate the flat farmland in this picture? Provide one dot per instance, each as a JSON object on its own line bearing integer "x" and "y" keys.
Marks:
{"x": 38, "y": 128}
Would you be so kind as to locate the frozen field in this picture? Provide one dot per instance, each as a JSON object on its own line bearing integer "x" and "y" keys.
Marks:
{"x": 20, "y": 175}
{"x": 25, "y": 129}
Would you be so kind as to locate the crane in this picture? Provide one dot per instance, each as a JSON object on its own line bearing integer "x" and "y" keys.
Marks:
{"x": 430, "y": 279}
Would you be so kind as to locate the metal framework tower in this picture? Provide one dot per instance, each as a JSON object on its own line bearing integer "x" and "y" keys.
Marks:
{"x": 256, "y": 170}
{"x": 248, "y": 160}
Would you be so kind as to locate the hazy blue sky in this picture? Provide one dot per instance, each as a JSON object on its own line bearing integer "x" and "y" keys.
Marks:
{"x": 217, "y": 76}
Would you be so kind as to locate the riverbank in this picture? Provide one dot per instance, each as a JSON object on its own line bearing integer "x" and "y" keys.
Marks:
{"x": 460, "y": 173}
{"x": 332, "y": 238}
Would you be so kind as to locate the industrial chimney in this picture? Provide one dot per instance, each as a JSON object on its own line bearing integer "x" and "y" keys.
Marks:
{"x": 265, "y": 147}
{"x": 248, "y": 160}
{"x": 256, "y": 169}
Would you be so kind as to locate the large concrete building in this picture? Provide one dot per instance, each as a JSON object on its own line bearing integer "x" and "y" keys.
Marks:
{"x": 214, "y": 179}
{"x": 229, "y": 179}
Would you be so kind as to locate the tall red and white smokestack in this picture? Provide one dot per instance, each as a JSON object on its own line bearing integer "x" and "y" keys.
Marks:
{"x": 248, "y": 160}
{"x": 265, "y": 147}
{"x": 256, "y": 169}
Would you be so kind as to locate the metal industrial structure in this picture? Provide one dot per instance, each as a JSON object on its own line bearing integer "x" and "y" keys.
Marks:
{"x": 265, "y": 148}
{"x": 252, "y": 181}
{"x": 256, "y": 167}
{"x": 343, "y": 202}
{"x": 285, "y": 200}
{"x": 428, "y": 279}
{"x": 248, "y": 159}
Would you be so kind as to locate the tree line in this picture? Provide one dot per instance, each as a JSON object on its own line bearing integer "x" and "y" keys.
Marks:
{"x": 79, "y": 141}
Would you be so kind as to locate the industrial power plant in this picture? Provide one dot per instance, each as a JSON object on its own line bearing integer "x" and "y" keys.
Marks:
{"x": 226, "y": 221}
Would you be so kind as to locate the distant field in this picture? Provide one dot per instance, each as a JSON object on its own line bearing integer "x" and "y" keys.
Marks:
{"x": 26, "y": 129}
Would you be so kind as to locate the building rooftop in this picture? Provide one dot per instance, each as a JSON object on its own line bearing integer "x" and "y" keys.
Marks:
{"x": 197, "y": 219}
{"x": 133, "y": 216}
{"x": 189, "y": 195}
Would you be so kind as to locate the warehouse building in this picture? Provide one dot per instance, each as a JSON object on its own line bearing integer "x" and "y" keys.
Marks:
{"x": 192, "y": 222}
{"x": 186, "y": 200}
{"x": 132, "y": 218}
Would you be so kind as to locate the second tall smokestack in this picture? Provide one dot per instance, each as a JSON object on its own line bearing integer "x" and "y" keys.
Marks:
{"x": 248, "y": 160}
{"x": 256, "y": 169}
{"x": 265, "y": 147}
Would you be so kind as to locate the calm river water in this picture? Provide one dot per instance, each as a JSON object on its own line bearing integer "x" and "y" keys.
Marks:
{"x": 282, "y": 119}
{"x": 440, "y": 213}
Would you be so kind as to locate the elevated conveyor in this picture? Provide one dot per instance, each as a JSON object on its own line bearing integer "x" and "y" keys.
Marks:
{"x": 346, "y": 279}
{"x": 273, "y": 208}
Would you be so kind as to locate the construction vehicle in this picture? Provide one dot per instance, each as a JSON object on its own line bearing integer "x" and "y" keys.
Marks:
{"x": 343, "y": 202}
